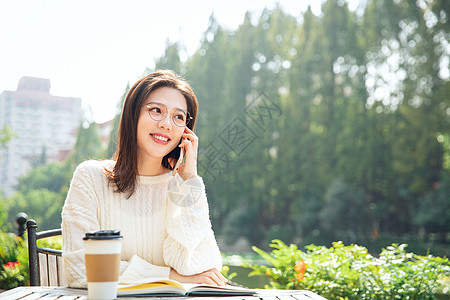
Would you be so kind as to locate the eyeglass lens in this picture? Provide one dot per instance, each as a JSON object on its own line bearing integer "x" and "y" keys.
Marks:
{"x": 158, "y": 112}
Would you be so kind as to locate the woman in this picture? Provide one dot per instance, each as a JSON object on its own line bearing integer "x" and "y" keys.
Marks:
{"x": 162, "y": 214}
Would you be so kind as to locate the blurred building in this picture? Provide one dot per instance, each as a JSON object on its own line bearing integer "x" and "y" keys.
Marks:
{"x": 44, "y": 125}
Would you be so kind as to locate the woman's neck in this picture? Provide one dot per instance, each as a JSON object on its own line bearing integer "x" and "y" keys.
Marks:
{"x": 150, "y": 167}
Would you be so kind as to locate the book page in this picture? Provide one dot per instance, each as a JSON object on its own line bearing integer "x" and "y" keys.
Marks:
{"x": 168, "y": 286}
{"x": 215, "y": 289}
{"x": 165, "y": 286}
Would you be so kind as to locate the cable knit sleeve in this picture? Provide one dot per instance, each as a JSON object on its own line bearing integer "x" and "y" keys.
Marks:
{"x": 81, "y": 214}
{"x": 190, "y": 247}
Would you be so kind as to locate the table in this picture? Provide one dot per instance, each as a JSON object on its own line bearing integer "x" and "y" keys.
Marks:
{"x": 63, "y": 293}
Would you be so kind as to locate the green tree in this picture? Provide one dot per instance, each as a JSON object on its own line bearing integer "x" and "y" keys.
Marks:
{"x": 54, "y": 177}
{"x": 433, "y": 210}
{"x": 206, "y": 71}
{"x": 88, "y": 144}
{"x": 112, "y": 144}
{"x": 171, "y": 58}
{"x": 346, "y": 212}
{"x": 416, "y": 102}
{"x": 6, "y": 134}
{"x": 42, "y": 205}
{"x": 40, "y": 194}
{"x": 3, "y": 215}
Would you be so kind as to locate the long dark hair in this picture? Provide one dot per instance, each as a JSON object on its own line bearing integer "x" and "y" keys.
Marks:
{"x": 123, "y": 175}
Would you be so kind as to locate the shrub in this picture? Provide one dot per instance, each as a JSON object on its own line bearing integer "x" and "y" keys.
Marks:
{"x": 13, "y": 261}
{"x": 53, "y": 242}
{"x": 350, "y": 272}
{"x": 225, "y": 270}
{"x": 14, "y": 258}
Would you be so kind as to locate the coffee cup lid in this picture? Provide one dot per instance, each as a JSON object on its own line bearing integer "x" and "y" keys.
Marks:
{"x": 103, "y": 235}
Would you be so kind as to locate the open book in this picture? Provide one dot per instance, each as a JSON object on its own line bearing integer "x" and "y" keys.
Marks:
{"x": 172, "y": 287}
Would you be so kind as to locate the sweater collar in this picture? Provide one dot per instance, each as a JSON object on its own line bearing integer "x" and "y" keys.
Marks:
{"x": 154, "y": 179}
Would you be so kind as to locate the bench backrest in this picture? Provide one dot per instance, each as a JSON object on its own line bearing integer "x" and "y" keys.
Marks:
{"x": 45, "y": 265}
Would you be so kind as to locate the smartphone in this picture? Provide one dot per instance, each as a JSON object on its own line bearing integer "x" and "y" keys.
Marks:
{"x": 179, "y": 161}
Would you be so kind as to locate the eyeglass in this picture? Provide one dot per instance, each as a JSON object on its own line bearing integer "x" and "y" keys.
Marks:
{"x": 158, "y": 112}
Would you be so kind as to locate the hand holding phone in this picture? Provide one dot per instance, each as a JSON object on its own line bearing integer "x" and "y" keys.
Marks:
{"x": 186, "y": 166}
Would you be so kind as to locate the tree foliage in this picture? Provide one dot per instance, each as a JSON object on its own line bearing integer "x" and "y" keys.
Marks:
{"x": 358, "y": 146}
{"x": 6, "y": 134}
{"x": 351, "y": 272}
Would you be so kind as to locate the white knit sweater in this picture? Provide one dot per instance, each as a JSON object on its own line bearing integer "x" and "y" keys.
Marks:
{"x": 165, "y": 223}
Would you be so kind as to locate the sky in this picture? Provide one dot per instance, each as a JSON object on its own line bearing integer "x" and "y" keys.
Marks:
{"x": 91, "y": 49}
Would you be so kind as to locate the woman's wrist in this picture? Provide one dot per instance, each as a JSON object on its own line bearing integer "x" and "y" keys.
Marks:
{"x": 188, "y": 176}
{"x": 212, "y": 276}
{"x": 175, "y": 275}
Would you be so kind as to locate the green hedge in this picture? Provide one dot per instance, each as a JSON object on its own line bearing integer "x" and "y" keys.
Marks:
{"x": 350, "y": 272}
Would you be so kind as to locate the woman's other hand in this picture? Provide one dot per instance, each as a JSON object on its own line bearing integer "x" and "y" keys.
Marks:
{"x": 212, "y": 277}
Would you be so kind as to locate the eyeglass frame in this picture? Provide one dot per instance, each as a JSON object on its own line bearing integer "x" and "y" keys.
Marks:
{"x": 188, "y": 115}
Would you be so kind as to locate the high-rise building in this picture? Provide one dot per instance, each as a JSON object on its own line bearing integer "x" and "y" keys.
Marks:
{"x": 44, "y": 126}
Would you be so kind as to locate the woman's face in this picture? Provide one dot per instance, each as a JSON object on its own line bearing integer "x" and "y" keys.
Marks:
{"x": 156, "y": 138}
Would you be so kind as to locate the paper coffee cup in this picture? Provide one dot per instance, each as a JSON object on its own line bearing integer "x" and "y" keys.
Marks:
{"x": 102, "y": 256}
